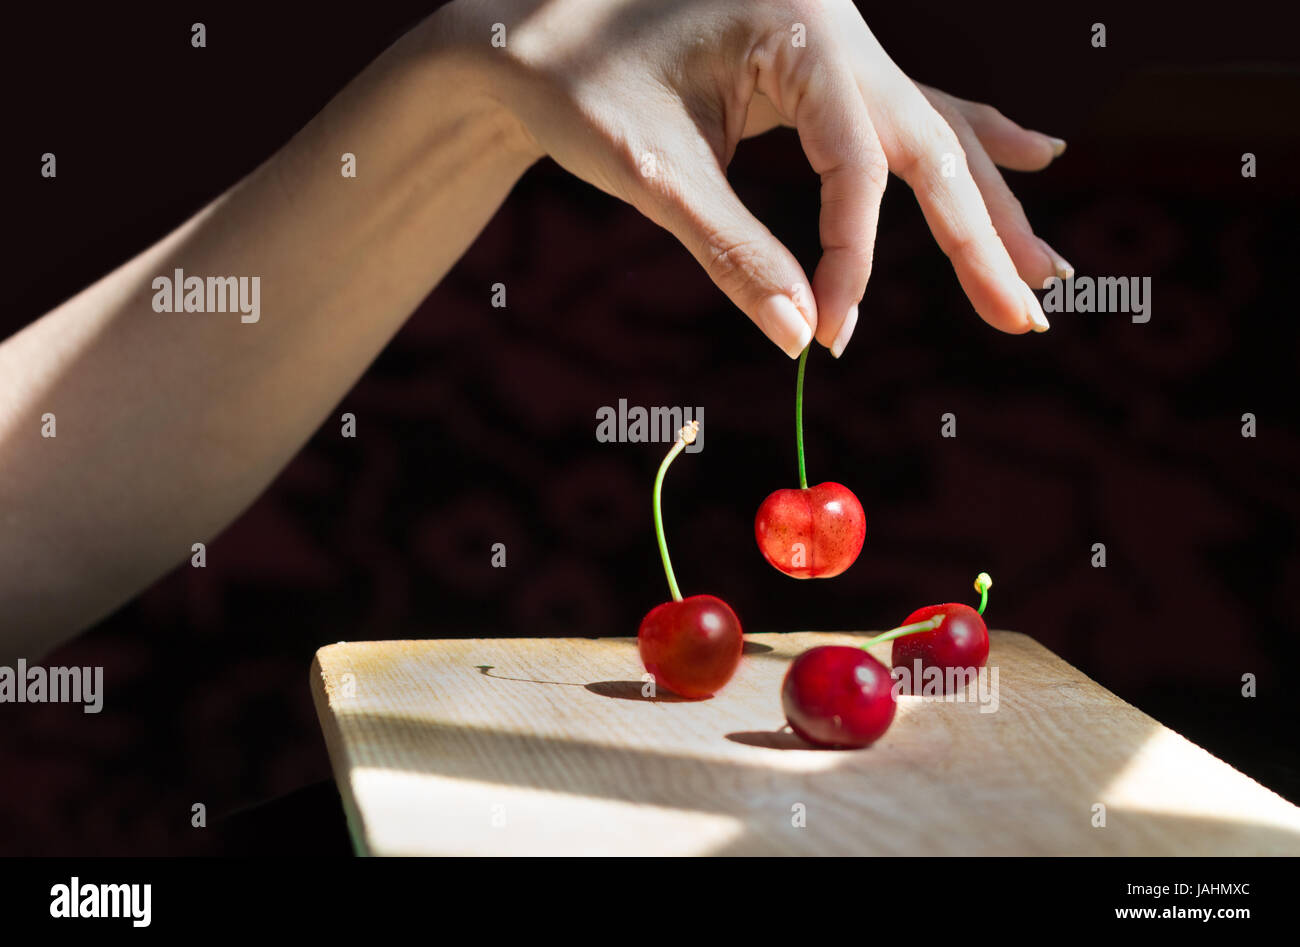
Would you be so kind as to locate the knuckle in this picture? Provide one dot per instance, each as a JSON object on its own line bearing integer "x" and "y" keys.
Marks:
{"x": 964, "y": 249}
{"x": 942, "y": 139}
{"x": 947, "y": 154}
{"x": 933, "y": 149}
{"x": 647, "y": 180}
{"x": 875, "y": 168}
{"x": 806, "y": 10}
{"x": 975, "y": 249}
{"x": 732, "y": 262}
{"x": 773, "y": 43}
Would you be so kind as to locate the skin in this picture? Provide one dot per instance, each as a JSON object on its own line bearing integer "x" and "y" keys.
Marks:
{"x": 169, "y": 425}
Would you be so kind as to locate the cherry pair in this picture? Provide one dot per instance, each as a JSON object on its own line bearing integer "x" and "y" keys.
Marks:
{"x": 840, "y": 696}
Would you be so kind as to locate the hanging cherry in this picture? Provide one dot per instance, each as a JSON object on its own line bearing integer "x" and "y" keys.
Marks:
{"x": 961, "y": 642}
{"x": 690, "y": 646}
{"x": 810, "y": 532}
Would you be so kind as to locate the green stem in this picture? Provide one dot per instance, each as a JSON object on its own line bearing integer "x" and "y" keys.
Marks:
{"x": 685, "y": 436}
{"x": 983, "y": 582}
{"x": 798, "y": 417}
{"x": 930, "y": 624}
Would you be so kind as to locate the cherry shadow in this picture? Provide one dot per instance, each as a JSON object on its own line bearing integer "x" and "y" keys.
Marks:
{"x": 753, "y": 647}
{"x": 619, "y": 690}
{"x": 631, "y": 690}
{"x": 484, "y": 668}
{"x": 772, "y": 740}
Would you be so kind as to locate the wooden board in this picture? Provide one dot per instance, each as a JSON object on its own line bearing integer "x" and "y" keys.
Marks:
{"x": 547, "y": 746}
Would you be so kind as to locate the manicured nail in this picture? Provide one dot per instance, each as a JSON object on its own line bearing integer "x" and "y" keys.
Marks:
{"x": 1060, "y": 264}
{"x": 805, "y": 338}
{"x": 784, "y": 324}
{"x": 845, "y": 333}
{"x": 1035, "y": 310}
{"x": 1058, "y": 146}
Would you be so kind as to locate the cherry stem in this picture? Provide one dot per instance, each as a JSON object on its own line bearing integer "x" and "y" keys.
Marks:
{"x": 930, "y": 624}
{"x": 798, "y": 417}
{"x": 685, "y": 436}
{"x": 983, "y": 582}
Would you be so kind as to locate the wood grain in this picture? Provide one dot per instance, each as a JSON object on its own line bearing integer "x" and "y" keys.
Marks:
{"x": 546, "y": 746}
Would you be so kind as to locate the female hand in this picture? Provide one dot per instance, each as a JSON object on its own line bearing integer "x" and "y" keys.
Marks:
{"x": 648, "y": 99}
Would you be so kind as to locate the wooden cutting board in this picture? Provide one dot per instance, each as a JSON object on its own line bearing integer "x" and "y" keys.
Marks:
{"x": 547, "y": 746}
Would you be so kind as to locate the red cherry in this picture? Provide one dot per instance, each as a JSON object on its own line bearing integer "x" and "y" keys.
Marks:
{"x": 838, "y": 696}
{"x": 962, "y": 641}
{"x": 813, "y": 533}
{"x": 692, "y": 647}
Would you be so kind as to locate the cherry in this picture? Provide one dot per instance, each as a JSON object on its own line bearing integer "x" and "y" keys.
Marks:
{"x": 838, "y": 696}
{"x": 690, "y": 646}
{"x": 810, "y": 532}
{"x": 961, "y": 641}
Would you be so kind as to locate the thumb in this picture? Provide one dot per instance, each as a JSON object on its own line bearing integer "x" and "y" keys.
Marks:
{"x": 692, "y": 199}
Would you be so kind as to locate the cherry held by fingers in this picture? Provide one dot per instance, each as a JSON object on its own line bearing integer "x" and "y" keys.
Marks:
{"x": 810, "y": 532}
{"x": 690, "y": 646}
{"x": 840, "y": 696}
{"x": 960, "y": 642}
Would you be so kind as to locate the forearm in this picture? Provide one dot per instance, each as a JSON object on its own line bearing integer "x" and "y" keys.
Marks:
{"x": 170, "y": 423}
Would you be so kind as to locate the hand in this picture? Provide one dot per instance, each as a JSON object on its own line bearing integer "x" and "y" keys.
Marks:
{"x": 648, "y": 99}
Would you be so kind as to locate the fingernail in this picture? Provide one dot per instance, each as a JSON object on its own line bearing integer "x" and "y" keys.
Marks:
{"x": 845, "y": 333}
{"x": 784, "y": 324}
{"x": 805, "y": 337}
{"x": 1059, "y": 263}
{"x": 1035, "y": 310}
{"x": 1058, "y": 146}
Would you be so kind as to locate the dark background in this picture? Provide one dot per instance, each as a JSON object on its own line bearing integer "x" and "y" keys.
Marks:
{"x": 477, "y": 425}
